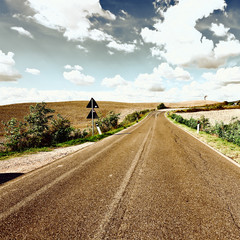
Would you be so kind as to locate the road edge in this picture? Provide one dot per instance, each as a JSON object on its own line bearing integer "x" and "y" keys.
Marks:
{"x": 217, "y": 151}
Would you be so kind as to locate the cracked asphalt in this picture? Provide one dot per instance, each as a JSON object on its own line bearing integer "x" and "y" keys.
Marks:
{"x": 151, "y": 181}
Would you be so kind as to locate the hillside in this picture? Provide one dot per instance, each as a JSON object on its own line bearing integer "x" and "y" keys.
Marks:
{"x": 77, "y": 112}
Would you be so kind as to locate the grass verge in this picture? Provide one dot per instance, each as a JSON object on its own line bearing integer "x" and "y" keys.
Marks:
{"x": 229, "y": 149}
{"x": 95, "y": 138}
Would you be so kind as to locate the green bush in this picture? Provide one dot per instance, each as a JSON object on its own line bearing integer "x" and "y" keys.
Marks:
{"x": 60, "y": 129}
{"x": 229, "y": 132}
{"x": 39, "y": 129}
{"x": 37, "y": 123}
{"x": 109, "y": 122}
{"x": 161, "y": 106}
{"x": 15, "y": 134}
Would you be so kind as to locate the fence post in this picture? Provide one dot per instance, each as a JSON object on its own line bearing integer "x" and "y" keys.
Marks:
{"x": 198, "y": 127}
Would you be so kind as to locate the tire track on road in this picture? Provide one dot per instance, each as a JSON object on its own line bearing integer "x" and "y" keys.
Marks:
{"x": 136, "y": 172}
{"x": 120, "y": 193}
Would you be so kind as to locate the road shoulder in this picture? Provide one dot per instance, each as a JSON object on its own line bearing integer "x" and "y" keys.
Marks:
{"x": 227, "y": 154}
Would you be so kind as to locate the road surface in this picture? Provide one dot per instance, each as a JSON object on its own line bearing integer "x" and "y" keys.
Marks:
{"x": 152, "y": 181}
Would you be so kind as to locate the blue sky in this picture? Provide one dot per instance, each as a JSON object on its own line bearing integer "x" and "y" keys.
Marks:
{"x": 119, "y": 50}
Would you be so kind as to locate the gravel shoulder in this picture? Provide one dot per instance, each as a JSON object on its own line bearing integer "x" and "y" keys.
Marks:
{"x": 31, "y": 162}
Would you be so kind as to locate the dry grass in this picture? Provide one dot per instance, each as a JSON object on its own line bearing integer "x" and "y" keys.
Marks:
{"x": 77, "y": 112}
{"x": 195, "y": 103}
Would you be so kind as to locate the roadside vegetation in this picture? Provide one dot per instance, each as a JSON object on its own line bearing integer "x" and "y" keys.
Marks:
{"x": 210, "y": 107}
{"x": 161, "y": 106}
{"x": 225, "y": 137}
{"x": 41, "y": 130}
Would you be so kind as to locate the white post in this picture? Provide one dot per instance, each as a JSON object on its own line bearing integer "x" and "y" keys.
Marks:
{"x": 198, "y": 126}
{"x": 99, "y": 130}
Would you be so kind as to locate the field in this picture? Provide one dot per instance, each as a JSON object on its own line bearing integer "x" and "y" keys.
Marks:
{"x": 77, "y": 112}
{"x": 214, "y": 116}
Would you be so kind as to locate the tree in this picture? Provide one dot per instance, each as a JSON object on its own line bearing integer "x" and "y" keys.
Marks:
{"x": 161, "y": 106}
{"x": 39, "y": 129}
{"x": 38, "y": 124}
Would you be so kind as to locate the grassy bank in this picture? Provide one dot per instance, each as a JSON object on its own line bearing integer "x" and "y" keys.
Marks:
{"x": 229, "y": 149}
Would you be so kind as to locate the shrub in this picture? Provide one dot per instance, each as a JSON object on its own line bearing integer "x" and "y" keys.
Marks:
{"x": 205, "y": 124}
{"x": 161, "y": 106}
{"x": 60, "y": 129}
{"x": 37, "y": 123}
{"x": 15, "y": 134}
{"x": 135, "y": 116}
{"x": 109, "y": 122}
{"x": 37, "y": 130}
{"x": 229, "y": 132}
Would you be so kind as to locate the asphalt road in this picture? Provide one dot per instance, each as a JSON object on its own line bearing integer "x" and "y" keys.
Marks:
{"x": 152, "y": 181}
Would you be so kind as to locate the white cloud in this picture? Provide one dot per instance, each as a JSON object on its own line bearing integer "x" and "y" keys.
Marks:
{"x": 69, "y": 67}
{"x": 125, "y": 93}
{"x": 179, "y": 42}
{"x": 82, "y": 48}
{"x": 22, "y": 32}
{"x": 32, "y": 71}
{"x": 7, "y": 70}
{"x": 125, "y": 47}
{"x": 110, "y": 52}
{"x": 98, "y": 35}
{"x": 70, "y": 17}
{"x": 154, "y": 80}
{"x": 124, "y": 13}
{"x": 75, "y": 67}
{"x": 114, "y": 82}
{"x": 166, "y": 71}
{"x": 150, "y": 82}
{"x": 224, "y": 76}
{"x": 219, "y": 29}
{"x": 77, "y": 77}
{"x": 226, "y": 49}
{"x": 156, "y": 52}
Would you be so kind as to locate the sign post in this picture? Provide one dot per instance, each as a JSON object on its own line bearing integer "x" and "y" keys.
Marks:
{"x": 92, "y": 115}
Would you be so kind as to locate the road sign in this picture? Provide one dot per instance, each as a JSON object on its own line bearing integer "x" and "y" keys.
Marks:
{"x": 92, "y": 114}
{"x": 92, "y": 104}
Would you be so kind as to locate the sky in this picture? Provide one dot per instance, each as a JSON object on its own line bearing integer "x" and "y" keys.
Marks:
{"x": 119, "y": 50}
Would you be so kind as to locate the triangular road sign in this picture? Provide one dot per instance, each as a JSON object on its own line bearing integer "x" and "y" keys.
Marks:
{"x": 95, "y": 105}
{"x": 95, "y": 116}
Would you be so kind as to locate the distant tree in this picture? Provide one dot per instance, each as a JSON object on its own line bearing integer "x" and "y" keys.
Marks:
{"x": 161, "y": 106}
